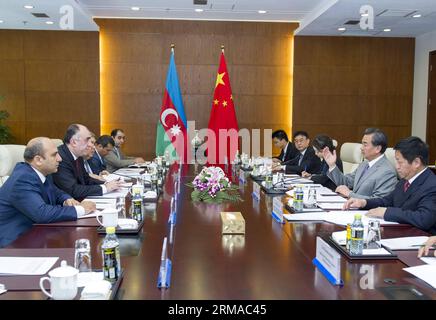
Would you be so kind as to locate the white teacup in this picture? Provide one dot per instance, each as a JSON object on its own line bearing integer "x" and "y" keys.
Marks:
{"x": 63, "y": 282}
{"x": 110, "y": 218}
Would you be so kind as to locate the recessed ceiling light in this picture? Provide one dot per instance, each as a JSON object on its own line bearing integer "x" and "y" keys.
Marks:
{"x": 417, "y": 15}
{"x": 28, "y": 6}
{"x": 342, "y": 29}
{"x": 198, "y": 10}
{"x": 261, "y": 11}
{"x": 49, "y": 22}
{"x": 135, "y": 8}
{"x": 1, "y": 21}
{"x": 387, "y": 30}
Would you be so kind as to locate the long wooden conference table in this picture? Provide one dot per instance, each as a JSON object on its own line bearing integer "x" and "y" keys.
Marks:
{"x": 272, "y": 261}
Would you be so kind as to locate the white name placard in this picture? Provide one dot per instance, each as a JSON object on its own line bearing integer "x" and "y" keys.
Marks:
{"x": 328, "y": 261}
{"x": 256, "y": 191}
{"x": 277, "y": 211}
{"x": 241, "y": 175}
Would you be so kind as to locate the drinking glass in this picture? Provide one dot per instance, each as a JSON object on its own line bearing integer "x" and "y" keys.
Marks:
{"x": 82, "y": 255}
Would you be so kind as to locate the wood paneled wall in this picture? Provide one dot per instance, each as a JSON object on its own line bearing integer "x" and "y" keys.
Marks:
{"x": 49, "y": 79}
{"x": 134, "y": 63}
{"x": 343, "y": 85}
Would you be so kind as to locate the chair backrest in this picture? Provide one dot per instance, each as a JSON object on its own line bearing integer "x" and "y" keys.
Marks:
{"x": 57, "y": 142}
{"x": 10, "y": 154}
{"x": 351, "y": 156}
{"x": 390, "y": 155}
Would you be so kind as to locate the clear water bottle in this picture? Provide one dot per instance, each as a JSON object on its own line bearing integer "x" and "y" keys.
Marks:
{"x": 298, "y": 198}
{"x": 110, "y": 250}
{"x": 357, "y": 229}
{"x": 137, "y": 206}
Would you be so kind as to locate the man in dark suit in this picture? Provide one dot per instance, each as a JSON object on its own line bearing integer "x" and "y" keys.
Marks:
{"x": 413, "y": 200}
{"x": 306, "y": 159}
{"x": 72, "y": 176}
{"x": 103, "y": 146}
{"x": 29, "y": 195}
{"x": 287, "y": 149}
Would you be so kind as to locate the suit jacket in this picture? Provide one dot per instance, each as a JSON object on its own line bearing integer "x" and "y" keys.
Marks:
{"x": 114, "y": 162}
{"x": 291, "y": 153}
{"x": 24, "y": 200}
{"x": 310, "y": 163}
{"x": 78, "y": 184}
{"x": 417, "y": 206}
{"x": 97, "y": 165}
{"x": 377, "y": 182}
{"x": 323, "y": 179}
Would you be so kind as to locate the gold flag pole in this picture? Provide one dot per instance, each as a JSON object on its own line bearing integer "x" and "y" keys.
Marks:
{"x": 222, "y": 48}
{"x": 172, "y": 47}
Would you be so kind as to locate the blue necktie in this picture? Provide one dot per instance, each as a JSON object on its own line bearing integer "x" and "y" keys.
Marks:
{"x": 365, "y": 170}
{"x": 300, "y": 159}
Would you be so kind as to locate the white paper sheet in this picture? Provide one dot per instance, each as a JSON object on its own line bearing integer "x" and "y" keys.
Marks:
{"x": 32, "y": 266}
{"x": 112, "y": 177}
{"x": 379, "y": 251}
{"x": 112, "y": 195}
{"x": 330, "y": 199}
{"x": 83, "y": 278}
{"x": 344, "y": 217}
{"x": 429, "y": 260}
{"x": 331, "y": 205}
{"x": 425, "y": 272}
{"x": 91, "y": 215}
{"x": 307, "y": 216}
{"x": 404, "y": 243}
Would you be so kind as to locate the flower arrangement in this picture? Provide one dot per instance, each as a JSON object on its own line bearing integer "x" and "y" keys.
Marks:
{"x": 211, "y": 185}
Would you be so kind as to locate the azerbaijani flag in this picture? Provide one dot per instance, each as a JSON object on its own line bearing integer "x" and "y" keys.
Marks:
{"x": 171, "y": 133}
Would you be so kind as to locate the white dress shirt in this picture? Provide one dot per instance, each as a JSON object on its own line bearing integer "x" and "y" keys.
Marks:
{"x": 80, "y": 211}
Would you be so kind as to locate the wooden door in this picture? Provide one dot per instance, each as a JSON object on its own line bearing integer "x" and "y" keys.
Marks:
{"x": 431, "y": 107}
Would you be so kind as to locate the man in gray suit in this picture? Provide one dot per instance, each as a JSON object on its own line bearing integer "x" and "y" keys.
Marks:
{"x": 374, "y": 178}
{"x": 115, "y": 159}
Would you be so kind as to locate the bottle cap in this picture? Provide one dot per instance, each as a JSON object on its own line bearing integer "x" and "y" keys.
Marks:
{"x": 110, "y": 230}
{"x": 358, "y": 216}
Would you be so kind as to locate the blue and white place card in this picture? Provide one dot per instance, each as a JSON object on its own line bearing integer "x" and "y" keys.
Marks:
{"x": 328, "y": 261}
{"x": 256, "y": 191}
{"x": 277, "y": 211}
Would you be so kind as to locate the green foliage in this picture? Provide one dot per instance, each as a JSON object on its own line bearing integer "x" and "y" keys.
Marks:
{"x": 5, "y": 131}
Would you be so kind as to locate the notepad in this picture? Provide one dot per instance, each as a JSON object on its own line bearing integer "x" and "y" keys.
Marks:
{"x": 29, "y": 266}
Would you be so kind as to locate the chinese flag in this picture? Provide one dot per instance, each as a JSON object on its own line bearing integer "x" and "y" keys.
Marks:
{"x": 222, "y": 120}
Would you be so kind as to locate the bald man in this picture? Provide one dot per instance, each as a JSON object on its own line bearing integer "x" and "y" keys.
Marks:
{"x": 29, "y": 195}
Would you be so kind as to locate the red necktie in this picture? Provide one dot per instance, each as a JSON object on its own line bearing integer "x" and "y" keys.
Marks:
{"x": 77, "y": 166}
{"x": 406, "y": 185}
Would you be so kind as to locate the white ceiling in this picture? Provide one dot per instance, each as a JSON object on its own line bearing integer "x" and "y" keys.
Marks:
{"x": 316, "y": 17}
